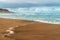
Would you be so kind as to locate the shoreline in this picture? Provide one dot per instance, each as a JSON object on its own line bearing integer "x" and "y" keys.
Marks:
{"x": 48, "y": 22}
{"x": 29, "y": 30}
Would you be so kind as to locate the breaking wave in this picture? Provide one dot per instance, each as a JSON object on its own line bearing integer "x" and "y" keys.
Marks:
{"x": 36, "y": 10}
{"x": 40, "y": 14}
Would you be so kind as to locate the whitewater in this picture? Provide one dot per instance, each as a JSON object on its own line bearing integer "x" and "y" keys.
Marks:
{"x": 40, "y": 14}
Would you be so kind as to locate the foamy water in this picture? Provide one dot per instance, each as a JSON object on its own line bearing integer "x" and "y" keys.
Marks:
{"x": 40, "y": 14}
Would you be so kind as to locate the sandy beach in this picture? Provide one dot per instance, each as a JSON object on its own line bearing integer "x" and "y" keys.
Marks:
{"x": 29, "y": 30}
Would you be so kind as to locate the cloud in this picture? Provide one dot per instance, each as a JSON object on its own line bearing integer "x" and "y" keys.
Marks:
{"x": 8, "y": 1}
{"x": 30, "y": 1}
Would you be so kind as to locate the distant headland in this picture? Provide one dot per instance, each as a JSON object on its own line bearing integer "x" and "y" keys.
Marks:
{"x": 5, "y": 11}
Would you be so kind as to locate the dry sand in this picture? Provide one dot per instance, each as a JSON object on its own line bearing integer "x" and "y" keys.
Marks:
{"x": 29, "y": 30}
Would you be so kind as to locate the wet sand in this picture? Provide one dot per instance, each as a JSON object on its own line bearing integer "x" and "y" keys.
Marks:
{"x": 29, "y": 30}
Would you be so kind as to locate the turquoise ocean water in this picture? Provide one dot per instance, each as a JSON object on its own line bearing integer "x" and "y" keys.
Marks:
{"x": 42, "y": 14}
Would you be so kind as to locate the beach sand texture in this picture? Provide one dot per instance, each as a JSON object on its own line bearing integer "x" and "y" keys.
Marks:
{"x": 29, "y": 30}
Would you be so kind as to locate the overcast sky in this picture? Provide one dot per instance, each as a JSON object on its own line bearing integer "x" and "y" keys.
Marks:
{"x": 30, "y": 1}
{"x": 27, "y": 3}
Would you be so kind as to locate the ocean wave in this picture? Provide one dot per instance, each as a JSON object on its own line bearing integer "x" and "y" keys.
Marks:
{"x": 11, "y": 9}
{"x": 49, "y": 22}
{"x": 49, "y": 14}
{"x": 35, "y": 9}
{"x": 39, "y": 9}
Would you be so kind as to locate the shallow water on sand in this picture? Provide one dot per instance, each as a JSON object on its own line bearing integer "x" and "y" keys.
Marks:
{"x": 44, "y": 14}
{"x": 44, "y": 17}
